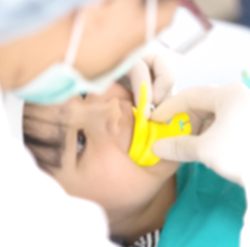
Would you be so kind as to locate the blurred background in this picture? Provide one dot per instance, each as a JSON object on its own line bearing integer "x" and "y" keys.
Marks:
{"x": 237, "y": 11}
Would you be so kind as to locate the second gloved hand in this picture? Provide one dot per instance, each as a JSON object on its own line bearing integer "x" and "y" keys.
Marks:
{"x": 225, "y": 145}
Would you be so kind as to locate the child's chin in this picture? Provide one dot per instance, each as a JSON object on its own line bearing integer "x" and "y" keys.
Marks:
{"x": 165, "y": 168}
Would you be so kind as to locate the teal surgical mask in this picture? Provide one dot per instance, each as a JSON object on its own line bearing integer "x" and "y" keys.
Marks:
{"x": 62, "y": 81}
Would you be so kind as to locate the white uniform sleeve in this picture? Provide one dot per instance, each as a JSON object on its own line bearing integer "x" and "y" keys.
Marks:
{"x": 34, "y": 210}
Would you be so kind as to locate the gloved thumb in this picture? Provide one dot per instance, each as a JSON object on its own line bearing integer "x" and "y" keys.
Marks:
{"x": 193, "y": 99}
{"x": 182, "y": 149}
{"x": 139, "y": 74}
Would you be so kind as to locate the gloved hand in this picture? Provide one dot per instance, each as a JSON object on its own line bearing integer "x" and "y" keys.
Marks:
{"x": 225, "y": 145}
{"x": 153, "y": 71}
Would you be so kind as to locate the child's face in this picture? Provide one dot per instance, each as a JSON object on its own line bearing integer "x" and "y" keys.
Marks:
{"x": 96, "y": 134}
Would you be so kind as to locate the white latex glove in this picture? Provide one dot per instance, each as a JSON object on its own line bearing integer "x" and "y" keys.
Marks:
{"x": 154, "y": 72}
{"x": 225, "y": 145}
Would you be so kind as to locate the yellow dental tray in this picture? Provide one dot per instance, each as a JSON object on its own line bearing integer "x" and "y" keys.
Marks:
{"x": 147, "y": 132}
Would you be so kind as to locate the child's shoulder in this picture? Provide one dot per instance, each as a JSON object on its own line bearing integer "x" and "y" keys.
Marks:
{"x": 208, "y": 210}
{"x": 196, "y": 177}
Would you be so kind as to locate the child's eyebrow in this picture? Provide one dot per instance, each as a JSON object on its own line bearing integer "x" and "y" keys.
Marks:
{"x": 48, "y": 154}
{"x": 47, "y": 149}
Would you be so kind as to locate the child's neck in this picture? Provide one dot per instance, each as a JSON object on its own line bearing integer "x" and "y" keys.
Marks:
{"x": 149, "y": 218}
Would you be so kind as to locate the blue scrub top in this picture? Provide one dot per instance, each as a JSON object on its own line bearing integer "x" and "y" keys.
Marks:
{"x": 208, "y": 211}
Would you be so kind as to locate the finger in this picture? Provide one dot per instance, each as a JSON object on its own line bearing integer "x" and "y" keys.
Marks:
{"x": 178, "y": 149}
{"x": 162, "y": 89}
{"x": 162, "y": 84}
{"x": 157, "y": 63}
{"x": 198, "y": 98}
{"x": 139, "y": 74}
{"x": 200, "y": 121}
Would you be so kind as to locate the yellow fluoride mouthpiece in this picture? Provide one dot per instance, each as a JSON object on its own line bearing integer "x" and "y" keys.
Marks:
{"x": 147, "y": 132}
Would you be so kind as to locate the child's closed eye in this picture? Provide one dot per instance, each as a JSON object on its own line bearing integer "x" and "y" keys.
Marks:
{"x": 81, "y": 142}
{"x": 84, "y": 95}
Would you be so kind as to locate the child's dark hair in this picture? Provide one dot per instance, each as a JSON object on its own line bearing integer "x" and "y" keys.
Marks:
{"x": 47, "y": 150}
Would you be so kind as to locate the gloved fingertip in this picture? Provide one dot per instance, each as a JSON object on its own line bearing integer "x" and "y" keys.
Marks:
{"x": 158, "y": 116}
{"x": 160, "y": 148}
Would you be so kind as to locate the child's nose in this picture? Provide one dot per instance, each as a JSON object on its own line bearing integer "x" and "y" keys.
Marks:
{"x": 113, "y": 115}
{"x": 104, "y": 115}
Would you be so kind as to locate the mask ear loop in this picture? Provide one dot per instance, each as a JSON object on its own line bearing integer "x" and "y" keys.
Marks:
{"x": 75, "y": 38}
{"x": 151, "y": 19}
